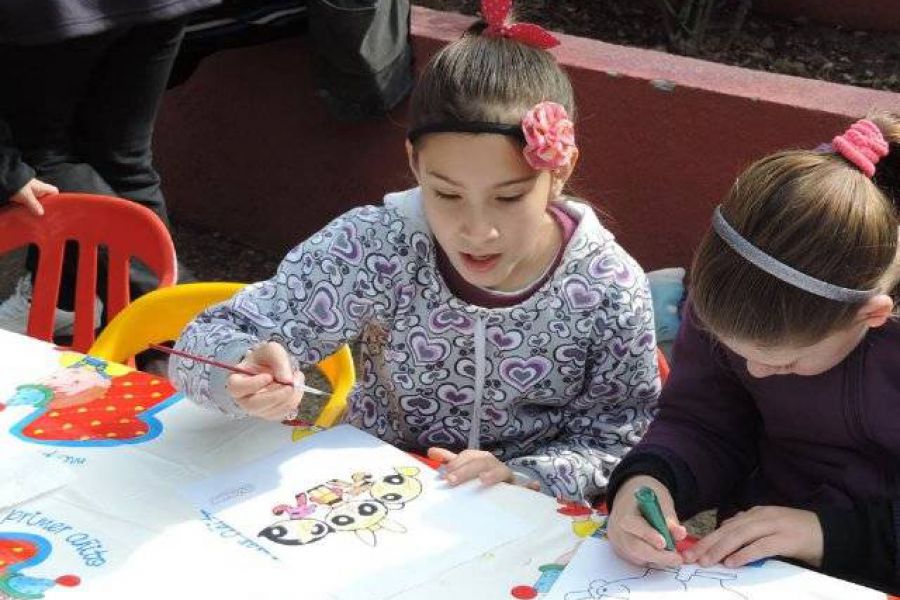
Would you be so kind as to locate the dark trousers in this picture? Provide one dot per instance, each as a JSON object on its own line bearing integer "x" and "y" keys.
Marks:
{"x": 82, "y": 113}
{"x": 362, "y": 54}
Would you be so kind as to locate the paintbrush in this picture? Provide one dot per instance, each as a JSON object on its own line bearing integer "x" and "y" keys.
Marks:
{"x": 235, "y": 369}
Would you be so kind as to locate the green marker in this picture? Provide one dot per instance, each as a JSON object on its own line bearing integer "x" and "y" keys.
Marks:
{"x": 648, "y": 504}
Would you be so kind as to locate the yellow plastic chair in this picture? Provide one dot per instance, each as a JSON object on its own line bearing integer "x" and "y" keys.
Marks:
{"x": 161, "y": 315}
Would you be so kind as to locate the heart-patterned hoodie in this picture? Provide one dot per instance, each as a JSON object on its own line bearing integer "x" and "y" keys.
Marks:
{"x": 559, "y": 386}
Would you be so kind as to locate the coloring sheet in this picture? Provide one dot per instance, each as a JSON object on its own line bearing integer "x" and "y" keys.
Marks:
{"x": 88, "y": 402}
{"x": 26, "y": 474}
{"x": 596, "y": 573}
{"x": 60, "y": 548}
{"x": 352, "y": 515}
{"x": 79, "y": 414}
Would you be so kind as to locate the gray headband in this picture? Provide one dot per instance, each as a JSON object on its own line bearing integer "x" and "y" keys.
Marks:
{"x": 776, "y": 268}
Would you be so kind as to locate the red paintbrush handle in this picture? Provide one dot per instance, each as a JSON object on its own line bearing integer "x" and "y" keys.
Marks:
{"x": 210, "y": 361}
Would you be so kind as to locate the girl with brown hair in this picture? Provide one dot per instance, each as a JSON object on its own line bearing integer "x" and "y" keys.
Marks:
{"x": 783, "y": 405}
{"x": 503, "y": 331}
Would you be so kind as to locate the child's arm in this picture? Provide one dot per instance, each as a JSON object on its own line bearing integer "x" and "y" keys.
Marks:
{"x": 858, "y": 543}
{"x": 608, "y": 418}
{"x": 631, "y": 536}
{"x": 319, "y": 298}
{"x": 862, "y": 542}
{"x": 16, "y": 177}
{"x": 704, "y": 436}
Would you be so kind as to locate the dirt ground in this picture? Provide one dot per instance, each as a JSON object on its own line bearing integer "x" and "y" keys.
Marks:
{"x": 793, "y": 47}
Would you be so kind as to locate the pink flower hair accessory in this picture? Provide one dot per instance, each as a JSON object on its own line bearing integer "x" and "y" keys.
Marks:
{"x": 863, "y": 145}
{"x": 495, "y": 14}
{"x": 549, "y": 136}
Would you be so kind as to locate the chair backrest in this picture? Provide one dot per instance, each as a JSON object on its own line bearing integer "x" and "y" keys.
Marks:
{"x": 161, "y": 315}
{"x": 663, "y": 366}
{"x": 125, "y": 229}
{"x": 341, "y": 374}
{"x": 158, "y": 317}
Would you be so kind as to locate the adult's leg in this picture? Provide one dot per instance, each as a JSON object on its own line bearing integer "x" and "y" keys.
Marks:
{"x": 116, "y": 117}
{"x": 46, "y": 84}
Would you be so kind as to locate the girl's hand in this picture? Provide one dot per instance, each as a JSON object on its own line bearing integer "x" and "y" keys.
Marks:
{"x": 259, "y": 395}
{"x": 631, "y": 535}
{"x": 761, "y": 532}
{"x": 469, "y": 464}
{"x": 29, "y": 194}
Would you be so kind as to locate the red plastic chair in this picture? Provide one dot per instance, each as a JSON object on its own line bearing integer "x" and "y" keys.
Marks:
{"x": 663, "y": 366}
{"x": 124, "y": 228}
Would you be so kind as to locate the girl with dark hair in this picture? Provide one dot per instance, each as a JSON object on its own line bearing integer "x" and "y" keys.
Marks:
{"x": 503, "y": 330}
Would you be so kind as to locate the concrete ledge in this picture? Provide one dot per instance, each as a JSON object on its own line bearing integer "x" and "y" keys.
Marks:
{"x": 245, "y": 146}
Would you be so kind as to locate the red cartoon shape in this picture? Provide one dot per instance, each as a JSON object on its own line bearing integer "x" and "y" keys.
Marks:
{"x": 86, "y": 405}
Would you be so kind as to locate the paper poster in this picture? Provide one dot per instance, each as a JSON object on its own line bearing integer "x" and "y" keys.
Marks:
{"x": 53, "y": 547}
{"x": 88, "y": 402}
{"x": 596, "y": 573}
{"x": 57, "y": 548}
{"x": 350, "y": 514}
{"x": 26, "y": 474}
{"x": 210, "y": 441}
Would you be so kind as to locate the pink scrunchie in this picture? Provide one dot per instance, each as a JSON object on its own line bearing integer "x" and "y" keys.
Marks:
{"x": 863, "y": 145}
{"x": 549, "y": 136}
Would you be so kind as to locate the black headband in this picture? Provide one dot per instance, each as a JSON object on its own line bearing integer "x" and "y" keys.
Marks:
{"x": 513, "y": 131}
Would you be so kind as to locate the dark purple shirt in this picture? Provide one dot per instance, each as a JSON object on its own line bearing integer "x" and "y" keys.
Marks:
{"x": 829, "y": 443}
{"x": 805, "y": 441}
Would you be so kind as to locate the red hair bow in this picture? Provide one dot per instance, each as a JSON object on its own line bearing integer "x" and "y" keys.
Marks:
{"x": 495, "y": 13}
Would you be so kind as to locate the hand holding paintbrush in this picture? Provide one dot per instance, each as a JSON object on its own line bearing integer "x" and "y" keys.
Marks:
{"x": 263, "y": 383}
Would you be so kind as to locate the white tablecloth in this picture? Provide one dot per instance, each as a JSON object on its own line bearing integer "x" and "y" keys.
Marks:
{"x": 108, "y": 514}
{"x": 114, "y": 518}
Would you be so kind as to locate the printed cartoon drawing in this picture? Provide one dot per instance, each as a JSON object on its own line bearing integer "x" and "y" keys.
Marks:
{"x": 586, "y": 522}
{"x": 549, "y": 573}
{"x": 360, "y": 485}
{"x": 83, "y": 382}
{"x": 601, "y": 589}
{"x": 397, "y": 489}
{"x": 590, "y": 522}
{"x": 296, "y": 532}
{"x": 90, "y": 402}
{"x": 21, "y": 550}
{"x": 325, "y": 495}
{"x": 361, "y": 507}
{"x": 302, "y": 508}
{"x": 363, "y": 518}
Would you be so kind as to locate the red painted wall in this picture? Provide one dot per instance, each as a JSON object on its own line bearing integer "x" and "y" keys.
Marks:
{"x": 876, "y": 15}
{"x": 245, "y": 147}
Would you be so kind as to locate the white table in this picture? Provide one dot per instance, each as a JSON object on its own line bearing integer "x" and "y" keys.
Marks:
{"x": 113, "y": 517}
{"x": 132, "y": 486}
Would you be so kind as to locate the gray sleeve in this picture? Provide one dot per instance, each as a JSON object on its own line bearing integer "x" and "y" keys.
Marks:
{"x": 319, "y": 298}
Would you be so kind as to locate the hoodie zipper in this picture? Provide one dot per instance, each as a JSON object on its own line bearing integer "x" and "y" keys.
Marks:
{"x": 480, "y": 359}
